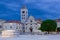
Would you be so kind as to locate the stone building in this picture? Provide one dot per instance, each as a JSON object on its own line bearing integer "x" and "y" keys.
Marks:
{"x": 31, "y": 25}
{"x": 12, "y": 25}
{"x": 58, "y": 24}
{"x": 11, "y": 28}
{"x": 1, "y": 25}
{"x": 29, "y": 22}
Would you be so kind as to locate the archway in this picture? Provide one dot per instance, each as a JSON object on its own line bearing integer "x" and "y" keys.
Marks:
{"x": 31, "y": 29}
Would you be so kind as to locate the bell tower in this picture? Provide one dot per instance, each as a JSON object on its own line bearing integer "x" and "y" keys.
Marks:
{"x": 24, "y": 14}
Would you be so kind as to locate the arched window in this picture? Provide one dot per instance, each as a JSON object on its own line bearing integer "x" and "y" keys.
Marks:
{"x": 31, "y": 24}
{"x": 36, "y": 23}
{"x": 23, "y": 15}
{"x": 26, "y": 12}
{"x": 10, "y": 26}
{"x": 23, "y": 11}
{"x": 26, "y": 27}
{"x": 36, "y": 27}
{"x": 23, "y": 18}
{"x": 0, "y": 26}
{"x": 26, "y": 24}
{"x": 17, "y": 27}
{"x": 30, "y": 20}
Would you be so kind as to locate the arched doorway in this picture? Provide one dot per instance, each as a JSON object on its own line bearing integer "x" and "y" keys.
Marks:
{"x": 31, "y": 29}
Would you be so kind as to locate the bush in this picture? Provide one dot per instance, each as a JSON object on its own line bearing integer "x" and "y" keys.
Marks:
{"x": 48, "y": 25}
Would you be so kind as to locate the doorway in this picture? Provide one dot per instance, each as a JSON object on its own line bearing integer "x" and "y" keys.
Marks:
{"x": 31, "y": 29}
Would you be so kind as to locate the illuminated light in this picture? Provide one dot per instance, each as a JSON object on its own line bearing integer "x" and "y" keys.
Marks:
{"x": 8, "y": 33}
{"x": 10, "y": 23}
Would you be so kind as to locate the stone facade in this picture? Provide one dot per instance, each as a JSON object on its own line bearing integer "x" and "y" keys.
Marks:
{"x": 29, "y": 23}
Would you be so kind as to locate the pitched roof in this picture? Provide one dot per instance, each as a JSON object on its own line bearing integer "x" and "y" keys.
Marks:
{"x": 13, "y": 21}
{"x": 58, "y": 20}
{"x": 39, "y": 21}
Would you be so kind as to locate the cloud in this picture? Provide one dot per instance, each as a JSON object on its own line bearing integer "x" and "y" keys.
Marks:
{"x": 52, "y": 6}
{"x": 10, "y": 5}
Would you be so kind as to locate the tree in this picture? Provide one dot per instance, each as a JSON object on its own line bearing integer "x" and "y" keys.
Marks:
{"x": 48, "y": 25}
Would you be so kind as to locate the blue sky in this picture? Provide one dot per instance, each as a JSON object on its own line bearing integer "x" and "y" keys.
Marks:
{"x": 43, "y": 9}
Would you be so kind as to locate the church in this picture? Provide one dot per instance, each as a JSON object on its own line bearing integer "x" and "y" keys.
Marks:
{"x": 30, "y": 24}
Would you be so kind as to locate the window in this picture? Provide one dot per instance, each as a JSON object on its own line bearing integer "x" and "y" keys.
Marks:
{"x": 16, "y": 27}
{"x": 0, "y": 26}
{"x": 10, "y": 26}
{"x": 26, "y": 24}
{"x": 5, "y": 27}
{"x": 23, "y": 28}
{"x": 26, "y": 27}
{"x": 23, "y": 15}
{"x": 31, "y": 24}
{"x": 31, "y": 21}
{"x": 26, "y": 11}
{"x": 23, "y": 18}
{"x": 36, "y": 27}
{"x": 23, "y": 11}
{"x": 19, "y": 27}
{"x": 36, "y": 23}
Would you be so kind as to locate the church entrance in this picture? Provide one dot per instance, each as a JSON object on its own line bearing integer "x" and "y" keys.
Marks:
{"x": 31, "y": 29}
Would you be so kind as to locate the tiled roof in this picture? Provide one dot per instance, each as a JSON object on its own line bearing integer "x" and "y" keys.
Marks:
{"x": 13, "y": 21}
{"x": 58, "y": 20}
{"x": 39, "y": 21}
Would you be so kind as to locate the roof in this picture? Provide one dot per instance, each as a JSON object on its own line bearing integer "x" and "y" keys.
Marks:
{"x": 31, "y": 17}
{"x": 58, "y": 20}
{"x": 13, "y": 21}
{"x": 39, "y": 21}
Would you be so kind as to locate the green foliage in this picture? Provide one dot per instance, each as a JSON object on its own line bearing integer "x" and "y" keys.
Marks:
{"x": 48, "y": 25}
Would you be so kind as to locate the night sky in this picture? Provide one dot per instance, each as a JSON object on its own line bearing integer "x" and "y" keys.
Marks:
{"x": 42, "y": 9}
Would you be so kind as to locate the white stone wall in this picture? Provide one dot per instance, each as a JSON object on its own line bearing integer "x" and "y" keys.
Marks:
{"x": 38, "y": 25}
{"x": 32, "y": 24}
{"x": 24, "y": 14}
{"x": 1, "y": 24}
{"x": 12, "y": 26}
{"x": 58, "y": 24}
